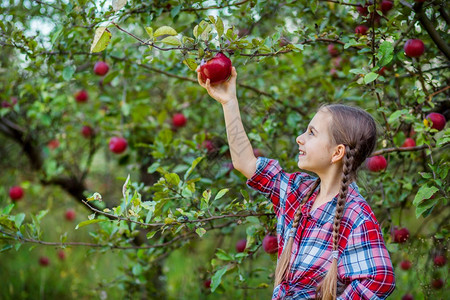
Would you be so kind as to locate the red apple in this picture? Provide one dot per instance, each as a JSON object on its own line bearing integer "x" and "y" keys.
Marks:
{"x": 363, "y": 10}
{"x": 333, "y": 50}
{"x": 44, "y": 261}
{"x": 376, "y": 163}
{"x": 70, "y": 215}
{"x": 87, "y": 131}
{"x": 101, "y": 68}
{"x": 81, "y": 96}
{"x": 361, "y": 29}
{"x": 16, "y": 193}
{"x": 240, "y": 245}
{"x": 382, "y": 71}
{"x": 414, "y": 48}
{"x": 439, "y": 260}
{"x": 405, "y": 265}
{"x": 207, "y": 283}
{"x": 437, "y": 120}
{"x": 409, "y": 142}
{"x": 209, "y": 146}
{"x": 53, "y": 144}
{"x": 437, "y": 283}
{"x": 118, "y": 144}
{"x": 386, "y": 6}
{"x": 217, "y": 69}
{"x": 401, "y": 235}
{"x": 270, "y": 244}
{"x": 61, "y": 254}
{"x": 179, "y": 120}
{"x": 407, "y": 297}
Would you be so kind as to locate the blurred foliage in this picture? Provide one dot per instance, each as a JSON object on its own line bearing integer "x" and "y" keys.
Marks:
{"x": 173, "y": 223}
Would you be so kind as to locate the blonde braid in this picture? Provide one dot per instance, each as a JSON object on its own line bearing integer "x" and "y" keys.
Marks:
{"x": 283, "y": 262}
{"x": 326, "y": 290}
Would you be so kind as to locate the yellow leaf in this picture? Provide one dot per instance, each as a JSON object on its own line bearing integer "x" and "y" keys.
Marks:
{"x": 165, "y": 30}
{"x": 171, "y": 40}
{"x": 101, "y": 39}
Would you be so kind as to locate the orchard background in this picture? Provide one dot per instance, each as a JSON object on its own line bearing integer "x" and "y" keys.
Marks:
{"x": 104, "y": 194}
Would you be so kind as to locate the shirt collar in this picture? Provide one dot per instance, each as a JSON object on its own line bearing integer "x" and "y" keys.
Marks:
{"x": 325, "y": 213}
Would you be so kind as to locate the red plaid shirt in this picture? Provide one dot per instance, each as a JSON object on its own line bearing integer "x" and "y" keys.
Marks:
{"x": 364, "y": 266}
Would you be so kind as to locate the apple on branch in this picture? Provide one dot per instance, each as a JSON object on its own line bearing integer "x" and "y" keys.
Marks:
{"x": 16, "y": 193}
{"x": 414, "y": 48}
{"x": 118, "y": 144}
{"x": 217, "y": 69}
{"x": 101, "y": 68}
{"x": 270, "y": 244}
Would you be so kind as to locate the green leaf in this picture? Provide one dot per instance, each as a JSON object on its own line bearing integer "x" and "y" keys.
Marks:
{"x": 68, "y": 72}
{"x": 7, "y": 209}
{"x": 206, "y": 195}
{"x": 221, "y": 193}
{"x": 425, "y": 192}
{"x": 190, "y": 63}
{"x": 200, "y": 231}
{"x": 101, "y": 39}
{"x": 425, "y": 207}
{"x": 118, "y": 4}
{"x": 18, "y": 219}
{"x": 149, "y": 31}
{"x": 175, "y": 11}
{"x": 219, "y": 26}
{"x": 192, "y": 167}
{"x": 221, "y": 254}
{"x": 369, "y": 77}
{"x": 6, "y": 248}
{"x": 88, "y": 222}
{"x": 386, "y": 53}
{"x": 171, "y": 40}
{"x": 217, "y": 278}
{"x": 172, "y": 178}
{"x": 165, "y": 30}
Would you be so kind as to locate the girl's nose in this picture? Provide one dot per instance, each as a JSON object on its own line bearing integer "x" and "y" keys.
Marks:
{"x": 299, "y": 140}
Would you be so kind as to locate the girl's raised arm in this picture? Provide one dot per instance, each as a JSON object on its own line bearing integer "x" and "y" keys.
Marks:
{"x": 241, "y": 150}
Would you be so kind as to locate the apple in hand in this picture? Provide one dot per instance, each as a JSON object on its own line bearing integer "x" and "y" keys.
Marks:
{"x": 240, "y": 245}
{"x": 217, "y": 69}
{"x": 179, "y": 120}
{"x": 270, "y": 244}
{"x": 16, "y": 193}
{"x": 437, "y": 120}
{"x": 118, "y": 144}
{"x": 81, "y": 96}
{"x": 376, "y": 163}
{"x": 414, "y": 47}
{"x": 101, "y": 68}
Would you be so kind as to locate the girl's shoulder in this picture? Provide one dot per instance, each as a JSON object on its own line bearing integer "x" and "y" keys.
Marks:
{"x": 357, "y": 209}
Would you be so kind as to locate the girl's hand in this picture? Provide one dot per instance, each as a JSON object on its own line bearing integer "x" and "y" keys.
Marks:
{"x": 223, "y": 92}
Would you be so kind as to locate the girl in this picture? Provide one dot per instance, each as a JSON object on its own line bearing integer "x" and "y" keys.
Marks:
{"x": 330, "y": 243}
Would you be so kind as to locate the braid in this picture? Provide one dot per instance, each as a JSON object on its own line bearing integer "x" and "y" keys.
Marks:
{"x": 284, "y": 260}
{"x": 327, "y": 288}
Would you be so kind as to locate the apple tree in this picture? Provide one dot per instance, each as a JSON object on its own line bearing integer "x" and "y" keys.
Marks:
{"x": 102, "y": 119}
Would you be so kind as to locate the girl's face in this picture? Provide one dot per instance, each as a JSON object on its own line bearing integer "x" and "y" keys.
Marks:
{"x": 316, "y": 145}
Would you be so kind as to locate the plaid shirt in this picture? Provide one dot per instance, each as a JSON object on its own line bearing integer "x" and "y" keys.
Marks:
{"x": 364, "y": 266}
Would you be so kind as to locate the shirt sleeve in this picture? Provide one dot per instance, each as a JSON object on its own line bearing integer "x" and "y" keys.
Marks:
{"x": 366, "y": 264}
{"x": 267, "y": 179}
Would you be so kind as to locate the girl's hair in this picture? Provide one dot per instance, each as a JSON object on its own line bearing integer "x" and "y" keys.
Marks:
{"x": 357, "y": 131}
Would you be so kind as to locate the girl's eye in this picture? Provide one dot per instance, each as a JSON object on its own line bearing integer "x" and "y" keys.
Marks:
{"x": 310, "y": 132}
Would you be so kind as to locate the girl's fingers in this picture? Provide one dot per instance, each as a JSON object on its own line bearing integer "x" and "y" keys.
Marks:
{"x": 199, "y": 79}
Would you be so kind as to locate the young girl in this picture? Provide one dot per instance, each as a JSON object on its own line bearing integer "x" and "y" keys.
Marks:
{"x": 330, "y": 243}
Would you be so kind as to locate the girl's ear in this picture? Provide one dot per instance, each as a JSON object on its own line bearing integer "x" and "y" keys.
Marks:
{"x": 338, "y": 153}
